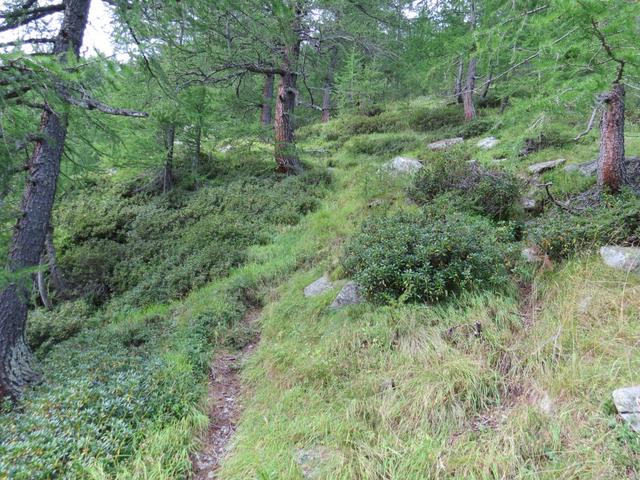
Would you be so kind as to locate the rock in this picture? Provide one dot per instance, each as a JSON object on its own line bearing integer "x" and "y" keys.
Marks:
{"x": 627, "y": 401}
{"x": 225, "y": 148}
{"x": 538, "y": 168}
{"x": 587, "y": 168}
{"x": 531, "y": 204}
{"x": 531, "y": 255}
{"x": 403, "y": 165}
{"x": 312, "y": 461}
{"x": 321, "y": 285}
{"x": 584, "y": 303}
{"x": 349, "y": 295}
{"x": 446, "y": 143}
{"x": 622, "y": 258}
{"x": 488, "y": 143}
{"x": 498, "y": 160}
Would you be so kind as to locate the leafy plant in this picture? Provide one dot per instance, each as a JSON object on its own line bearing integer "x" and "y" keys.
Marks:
{"x": 418, "y": 257}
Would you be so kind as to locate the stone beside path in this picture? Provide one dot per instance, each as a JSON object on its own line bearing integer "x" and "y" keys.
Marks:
{"x": 539, "y": 168}
{"x": 488, "y": 143}
{"x": 321, "y": 285}
{"x": 627, "y": 401}
{"x": 403, "y": 165}
{"x": 446, "y": 143}
{"x": 349, "y": 295}
{"x": 621, "y": 258}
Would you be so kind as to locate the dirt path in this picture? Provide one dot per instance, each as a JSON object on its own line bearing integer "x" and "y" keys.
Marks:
{"x": 225, "y": 392}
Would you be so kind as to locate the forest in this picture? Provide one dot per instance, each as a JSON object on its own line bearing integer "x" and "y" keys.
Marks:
{"x": 319, "y": 239}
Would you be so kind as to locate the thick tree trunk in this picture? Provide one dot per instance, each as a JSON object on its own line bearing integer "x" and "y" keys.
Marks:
{"x": 56, "y": 276}
{"x": 458, "y": 86}
{"x": 285, "y": 147}
{"x": 267, "y": 98}
{"x": 328, "y": 84}
{"x": 467, "y": 100}
{"x": 16, "y": 362}
{"x": 167, "y": 174}
{"x": 612, "y": 172}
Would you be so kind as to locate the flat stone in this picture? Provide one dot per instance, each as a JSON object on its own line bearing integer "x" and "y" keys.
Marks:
{"x": 321, "y": 285}
{"x": 403, "y": 165}
{"x": 349, "y": 295}
{"x": 621, "y": 258}
{"x": 498, "y": 160}
{"x": 531, "y": 255}
{"x": 312, "y": 460}
{"x": 627, "y": 401}
{"x": 538, "y": 168}
{"x": 488, "y": 143}
{"x": 446, "y": 143}
{"x": 587, "y": 168}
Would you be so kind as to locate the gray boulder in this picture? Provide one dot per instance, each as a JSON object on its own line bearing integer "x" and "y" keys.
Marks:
{"x": 488, "y": 143}
{"x": 321, "y": 285}
{"x": 587, "y": 168}
{"x": 539, "y": 168}
{"x": 403, "y": 165}
{"x": 531, "y": 255}
{"x": 446, "y": 143}
{"x": 531, "y": 204}
{"x": 312, "y": 461}
{"x": 621, "y": 258}
{"x": 349, "y": 295}
{"x": 627, "y": 401}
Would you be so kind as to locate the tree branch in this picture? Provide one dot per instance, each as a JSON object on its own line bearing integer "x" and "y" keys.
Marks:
{"x": 23, "y": 16}
{"x": 88, "y": 103}
{"x": 590, "y": 124}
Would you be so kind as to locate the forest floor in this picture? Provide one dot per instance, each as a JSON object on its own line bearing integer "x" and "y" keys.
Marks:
{"x": 225, "y": 396}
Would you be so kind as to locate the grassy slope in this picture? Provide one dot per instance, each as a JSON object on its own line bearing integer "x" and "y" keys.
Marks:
{"x": 529, "y": 399}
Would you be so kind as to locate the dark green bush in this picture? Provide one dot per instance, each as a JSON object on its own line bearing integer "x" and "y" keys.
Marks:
{"x": 561, "y": 234}
{"x": 492, "y": 193}
{"x": 425, "y": 257}
{"x": 155, "y": 248}
{"x": 427, "y": 120}
{"x": 46, "y": 328}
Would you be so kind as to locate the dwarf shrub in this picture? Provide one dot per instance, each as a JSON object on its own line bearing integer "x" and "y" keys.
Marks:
{"x": 424, "y": 258}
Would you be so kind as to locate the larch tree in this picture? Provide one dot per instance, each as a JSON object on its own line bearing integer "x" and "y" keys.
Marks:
{"x": 27, "y": 81}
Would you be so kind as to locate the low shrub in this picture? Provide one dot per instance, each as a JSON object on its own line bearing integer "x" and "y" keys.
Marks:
{"x": 425, "y": 258}
{"x": 492, "y": 193}
{"x": 561, "y": 234}
{"x": 382, "y": 144}
{"x": 46, "y": 328}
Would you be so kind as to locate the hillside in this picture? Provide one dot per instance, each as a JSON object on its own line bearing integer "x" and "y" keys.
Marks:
{"x": 509, "y": 378}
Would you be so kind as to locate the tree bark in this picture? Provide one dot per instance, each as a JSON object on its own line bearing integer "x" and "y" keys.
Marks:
{"x": 487, "y": 85}
{"x": 43, "y": 168}
{"x": 285, "y": 148}
{"x": 56, "y": 277}
{"x": 267, "y": 98}
{"x": 458, "y": 86}
{"x": 328, "y": 84}
{"x": 612, "y": 172}
{"x": 42, "y": 285}
{"x": 167, "y": 174}
{"x": 467, "y": 99}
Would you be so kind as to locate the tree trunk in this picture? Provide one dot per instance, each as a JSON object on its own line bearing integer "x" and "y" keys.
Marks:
{"x": 42, "y": 285}
{"x": 267, "y": 97}
{"x": 195, "y": 159}
{"x": 612, "y": 172}
{"x": 467, "y": 100}
{"x": 458, "y": 86}
{"x": 328, "y": 84}
{"x": 285, "y": 147}
{"x": 16, "y": 361}
{"x": 487, "y": 85}
{"x": 167, "y": 175}
{"x": 56, "y": 276}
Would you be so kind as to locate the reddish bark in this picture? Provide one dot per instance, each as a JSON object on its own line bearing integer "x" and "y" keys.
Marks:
{"x": 612, "y": 172}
